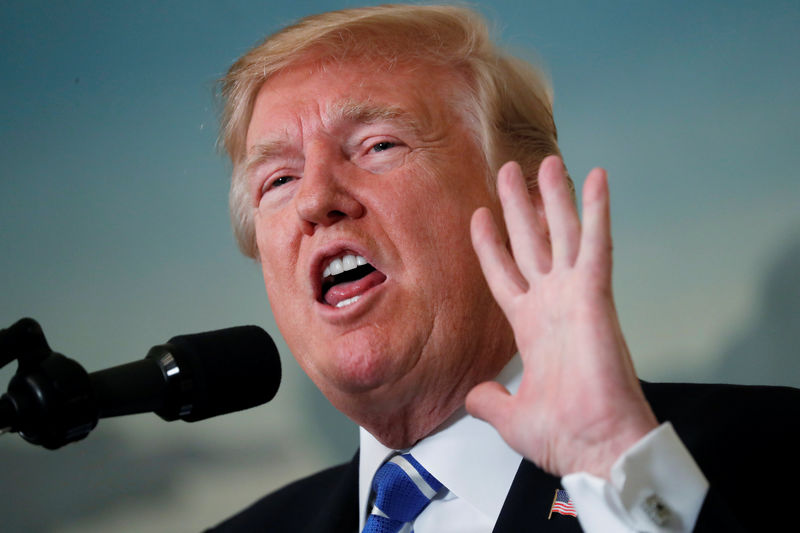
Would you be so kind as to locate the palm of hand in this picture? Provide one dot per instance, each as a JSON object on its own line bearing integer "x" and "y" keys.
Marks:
{"x": 579, "y": 405}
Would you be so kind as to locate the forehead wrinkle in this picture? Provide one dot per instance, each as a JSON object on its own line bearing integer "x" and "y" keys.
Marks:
{"x": 276, "y": 143}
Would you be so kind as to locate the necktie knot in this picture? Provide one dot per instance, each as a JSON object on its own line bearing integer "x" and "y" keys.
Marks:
{"x": 403, "y": 488}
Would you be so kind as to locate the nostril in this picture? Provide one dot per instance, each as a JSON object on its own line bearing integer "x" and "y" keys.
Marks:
{"x": 308, "y": 225}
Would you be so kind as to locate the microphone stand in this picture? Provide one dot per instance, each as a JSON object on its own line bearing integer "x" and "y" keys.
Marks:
{"x": 50, "y": 400}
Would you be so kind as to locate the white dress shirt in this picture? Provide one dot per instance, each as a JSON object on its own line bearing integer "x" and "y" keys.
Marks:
{"x": 477, "y": 468}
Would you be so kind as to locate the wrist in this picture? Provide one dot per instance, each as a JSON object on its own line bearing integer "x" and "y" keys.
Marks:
{"x": 598, "y": 455}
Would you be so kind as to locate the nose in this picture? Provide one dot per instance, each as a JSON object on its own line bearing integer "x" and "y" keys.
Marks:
{"x": 325, "y": 196}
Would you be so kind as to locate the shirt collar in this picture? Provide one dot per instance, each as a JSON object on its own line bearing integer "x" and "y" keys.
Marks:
{"x": 462, "y": 440}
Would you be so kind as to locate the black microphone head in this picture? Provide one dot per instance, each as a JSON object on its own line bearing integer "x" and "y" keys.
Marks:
{"x": 218, "y": 372}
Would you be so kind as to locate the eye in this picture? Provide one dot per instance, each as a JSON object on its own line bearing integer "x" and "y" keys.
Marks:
{"x": 379, "y": 152}
{"x": 382, "y": 146}
{"x": 270, "y": 185}
{"x": 283, "y": 180}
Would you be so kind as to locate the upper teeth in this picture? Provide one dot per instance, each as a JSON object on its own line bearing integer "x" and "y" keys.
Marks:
{"x": 343, "y": 264}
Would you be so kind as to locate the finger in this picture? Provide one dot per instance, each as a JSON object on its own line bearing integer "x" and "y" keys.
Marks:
{"x": 562, "y": 217}
{"x": 596, "y": 246}
{"x": 528, "y": 238}
{"x": 499, "y": 268}
{"x": 491, "y": 402}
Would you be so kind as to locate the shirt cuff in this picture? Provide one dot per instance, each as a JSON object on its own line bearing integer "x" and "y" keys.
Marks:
{"x": 655, "y": 487}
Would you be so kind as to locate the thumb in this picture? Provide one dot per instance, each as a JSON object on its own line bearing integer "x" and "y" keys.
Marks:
{"x": 491, "y": 402}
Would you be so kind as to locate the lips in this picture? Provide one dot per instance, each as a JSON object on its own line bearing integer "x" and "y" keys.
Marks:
{"x": 345, "y": 277}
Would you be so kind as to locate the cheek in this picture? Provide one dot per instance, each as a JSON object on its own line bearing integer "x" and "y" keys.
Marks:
{"x": 272, "y": 230}
{"x": 447, "y": 245}
{"x": 275, "y": 257}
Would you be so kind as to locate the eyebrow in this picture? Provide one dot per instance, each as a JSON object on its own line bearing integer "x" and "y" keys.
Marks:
{"x": 346, "y": 110}
{"x": 261, "y": 152}
{"x": 369, "y": 113}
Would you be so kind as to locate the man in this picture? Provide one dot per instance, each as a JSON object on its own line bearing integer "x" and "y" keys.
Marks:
{"x": 405, "y": 278}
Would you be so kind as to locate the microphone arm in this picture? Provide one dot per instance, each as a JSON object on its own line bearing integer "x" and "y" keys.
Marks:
{"x": 52, "y": 400}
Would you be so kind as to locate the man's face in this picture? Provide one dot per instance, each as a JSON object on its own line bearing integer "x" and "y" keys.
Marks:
{"x": 373, "y": 172}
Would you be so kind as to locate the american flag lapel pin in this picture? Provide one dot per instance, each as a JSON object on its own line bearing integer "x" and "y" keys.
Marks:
{"x": 562, "y": 504}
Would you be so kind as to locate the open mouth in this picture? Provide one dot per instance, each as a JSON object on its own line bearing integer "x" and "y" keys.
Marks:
{"x": 346, "y": 277}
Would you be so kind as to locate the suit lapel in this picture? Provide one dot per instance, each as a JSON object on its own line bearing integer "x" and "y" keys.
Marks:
{"x": 338, "y": 513}
{"x": 528, "y": 504}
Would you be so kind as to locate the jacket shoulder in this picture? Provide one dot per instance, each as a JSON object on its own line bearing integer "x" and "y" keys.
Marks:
{"x": 715, "y": 404}
{"x": 743, "y": 438}
{"x": 720, "y": 421}
{"x": 331, "y": 493}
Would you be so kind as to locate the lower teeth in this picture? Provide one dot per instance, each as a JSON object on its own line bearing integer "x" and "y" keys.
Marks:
{"x": 349, "y": 301}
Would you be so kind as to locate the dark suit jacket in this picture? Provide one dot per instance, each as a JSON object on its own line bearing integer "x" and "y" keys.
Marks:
{"x": 745, "y": 440}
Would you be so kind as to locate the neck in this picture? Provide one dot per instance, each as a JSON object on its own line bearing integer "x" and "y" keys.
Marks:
{"x": 400, "y": 425}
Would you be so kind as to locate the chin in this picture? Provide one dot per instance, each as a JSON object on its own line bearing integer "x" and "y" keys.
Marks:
{"x": 354, "y": 366}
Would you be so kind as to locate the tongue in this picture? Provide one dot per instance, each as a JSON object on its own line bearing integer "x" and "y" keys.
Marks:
{"x": 347, "y": 290}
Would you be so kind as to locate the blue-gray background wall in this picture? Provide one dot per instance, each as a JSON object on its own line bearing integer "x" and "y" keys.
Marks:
{"x": 114, "y": 232}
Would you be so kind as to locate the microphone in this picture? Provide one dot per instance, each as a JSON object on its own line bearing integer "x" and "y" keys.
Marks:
{"x": 193, "y": 377}
{"x": 53, "y": 401}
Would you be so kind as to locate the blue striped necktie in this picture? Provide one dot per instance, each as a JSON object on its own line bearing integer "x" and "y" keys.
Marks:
{"x": 403, "y": 488}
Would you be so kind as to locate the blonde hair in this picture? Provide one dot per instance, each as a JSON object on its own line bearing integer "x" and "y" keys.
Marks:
{"x": 508, "y": 100}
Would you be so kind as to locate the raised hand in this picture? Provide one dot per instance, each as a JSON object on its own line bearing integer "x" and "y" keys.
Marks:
{"x": 579, "y": 405}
